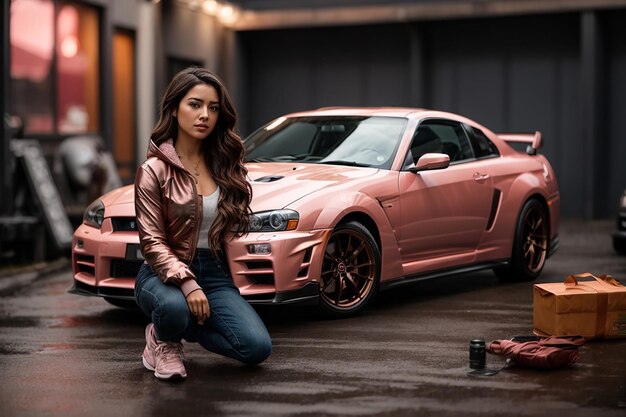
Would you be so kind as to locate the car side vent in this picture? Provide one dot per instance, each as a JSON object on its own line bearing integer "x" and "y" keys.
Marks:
{"x": 495, "y": 203}
{"x": 269, "y": 178}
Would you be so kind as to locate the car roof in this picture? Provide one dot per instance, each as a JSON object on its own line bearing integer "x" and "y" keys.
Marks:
{"x": 360, "y": 111}
{"x": 408, "y": 112}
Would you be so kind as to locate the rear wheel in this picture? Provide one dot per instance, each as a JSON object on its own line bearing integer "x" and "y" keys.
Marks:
{"x": 530, "y": 247}
{"x": 350, "y": 270}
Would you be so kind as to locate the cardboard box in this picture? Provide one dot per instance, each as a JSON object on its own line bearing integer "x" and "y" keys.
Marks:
{"x": 583, "y": 305}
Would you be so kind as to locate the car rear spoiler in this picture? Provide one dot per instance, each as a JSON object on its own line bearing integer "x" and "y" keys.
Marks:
{"x": 532, "y": 139}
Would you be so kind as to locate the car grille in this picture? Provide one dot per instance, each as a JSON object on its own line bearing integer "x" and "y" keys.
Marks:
{"x": 259, "y": 265}
{"x": 121, "y": 268}
{"x": 86, "y": 264}
{"x": 260, "y": 272}
{"x": 124, "y": 224}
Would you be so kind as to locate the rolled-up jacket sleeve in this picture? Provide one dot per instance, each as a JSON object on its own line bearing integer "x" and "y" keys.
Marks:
{"x": 152, "y": 235}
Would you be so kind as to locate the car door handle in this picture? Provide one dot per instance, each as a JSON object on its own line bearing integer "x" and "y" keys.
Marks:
{"x": 480, "y": 177}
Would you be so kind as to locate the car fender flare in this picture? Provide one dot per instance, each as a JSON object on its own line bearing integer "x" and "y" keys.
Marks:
{"x": 527, "y": 186}
{"x": 332, "y": 214}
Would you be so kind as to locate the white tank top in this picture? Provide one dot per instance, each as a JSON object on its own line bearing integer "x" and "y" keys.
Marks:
{"x": 209, "y": 212}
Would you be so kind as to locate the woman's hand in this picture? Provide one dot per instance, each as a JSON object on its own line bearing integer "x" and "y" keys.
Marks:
{"x": 198, "y": 305}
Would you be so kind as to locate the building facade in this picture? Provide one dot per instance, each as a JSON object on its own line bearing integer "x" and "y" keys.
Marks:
{"x": 97, "y": 68}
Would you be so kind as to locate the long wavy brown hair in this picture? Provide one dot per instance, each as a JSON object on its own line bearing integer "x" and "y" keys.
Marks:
{"x": 223, "y": 153}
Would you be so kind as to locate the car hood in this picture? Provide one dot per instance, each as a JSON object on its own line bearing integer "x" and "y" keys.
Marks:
{"x": 119, "y": 202}
{"x": 276, "y": 185}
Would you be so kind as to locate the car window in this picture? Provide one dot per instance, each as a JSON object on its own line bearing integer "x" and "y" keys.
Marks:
{"x": 371, "y": 142}
{"x": 483, "y": 147}
{"x": 335, "y": 140}
{"x": 283, "y": 141}
{"x": 440, "y": 136}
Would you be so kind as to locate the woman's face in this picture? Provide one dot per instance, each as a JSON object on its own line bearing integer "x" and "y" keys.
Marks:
{"x": 197, "y": 112}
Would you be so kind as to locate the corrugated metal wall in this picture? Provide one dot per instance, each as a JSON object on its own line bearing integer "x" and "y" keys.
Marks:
{"x": 300, "y": 69}
{"x": 516, "y": 75}
{"x": 615, "y": 158}
{"x": 511, "y": 74}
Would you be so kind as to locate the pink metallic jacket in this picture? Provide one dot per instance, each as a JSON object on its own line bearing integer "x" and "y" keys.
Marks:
{"x": 169, "y": 214}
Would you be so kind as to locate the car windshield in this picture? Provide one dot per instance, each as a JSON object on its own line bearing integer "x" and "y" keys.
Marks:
{"x": 353, "y": 141}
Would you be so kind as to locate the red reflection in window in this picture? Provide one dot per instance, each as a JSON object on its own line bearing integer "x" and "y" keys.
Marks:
{"x": 77, "y": 69}
{"x": 32, "y": 38}
{"x": 35, "y": 96}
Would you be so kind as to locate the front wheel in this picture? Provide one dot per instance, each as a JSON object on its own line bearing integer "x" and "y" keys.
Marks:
{"x": 530, "y": 247}
{"x": 350, "y": 271}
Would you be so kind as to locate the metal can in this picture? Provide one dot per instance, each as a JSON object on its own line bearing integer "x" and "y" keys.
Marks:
{"x": 477, "y": 354}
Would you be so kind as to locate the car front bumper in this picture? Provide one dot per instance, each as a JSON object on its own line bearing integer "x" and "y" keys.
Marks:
{"x": 287, "y": 272}
{"x": 106, "y": 263}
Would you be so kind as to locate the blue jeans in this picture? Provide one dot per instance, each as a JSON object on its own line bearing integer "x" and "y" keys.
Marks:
{"x": 233, "y": 329}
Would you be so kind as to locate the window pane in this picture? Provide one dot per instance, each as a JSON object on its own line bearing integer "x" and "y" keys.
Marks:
{"x": 484, "y": 145}
{"x": 441, "y": 137}
{"x": 356, "y": 140}
{"x": 78, "y": 72}
{"x": 32, "y": 38}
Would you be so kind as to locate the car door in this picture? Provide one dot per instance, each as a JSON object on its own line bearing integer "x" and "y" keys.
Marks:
{"x": 443, "y": 212}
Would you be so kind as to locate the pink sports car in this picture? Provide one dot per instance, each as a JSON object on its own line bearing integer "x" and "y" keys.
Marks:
{"x": 350, "y": 201}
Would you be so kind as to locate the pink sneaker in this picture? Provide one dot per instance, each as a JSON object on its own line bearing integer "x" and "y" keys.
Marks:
{"x": 151, "y": 343}
{"x": 169, "y": 360}
{"x": 164, "y": 358}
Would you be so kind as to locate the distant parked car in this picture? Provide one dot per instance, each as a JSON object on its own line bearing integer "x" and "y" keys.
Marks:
{"x": 348, "y": 201}
{"x": 619, "y": 235}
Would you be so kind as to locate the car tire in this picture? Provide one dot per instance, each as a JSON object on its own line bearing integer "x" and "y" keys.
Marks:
{"x": 530, "y": 245}
{"x": 123, "y": 303}
{"x": 350, "y": 271}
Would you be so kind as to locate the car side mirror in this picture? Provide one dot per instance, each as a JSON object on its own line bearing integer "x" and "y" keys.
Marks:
{"x": 430, "y": 161}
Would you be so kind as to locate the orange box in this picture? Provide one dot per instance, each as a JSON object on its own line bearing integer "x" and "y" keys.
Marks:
{"x": 592, "y": 309}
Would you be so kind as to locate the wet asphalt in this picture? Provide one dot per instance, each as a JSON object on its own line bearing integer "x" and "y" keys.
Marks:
{"x": 407, "y": 355}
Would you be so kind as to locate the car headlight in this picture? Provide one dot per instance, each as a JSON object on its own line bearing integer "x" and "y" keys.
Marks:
{"x": 94, "y": 214}
{"x": 274, "y": 221}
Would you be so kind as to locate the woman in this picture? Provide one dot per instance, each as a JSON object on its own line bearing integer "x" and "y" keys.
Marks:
{"x": 191, "y": 195}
